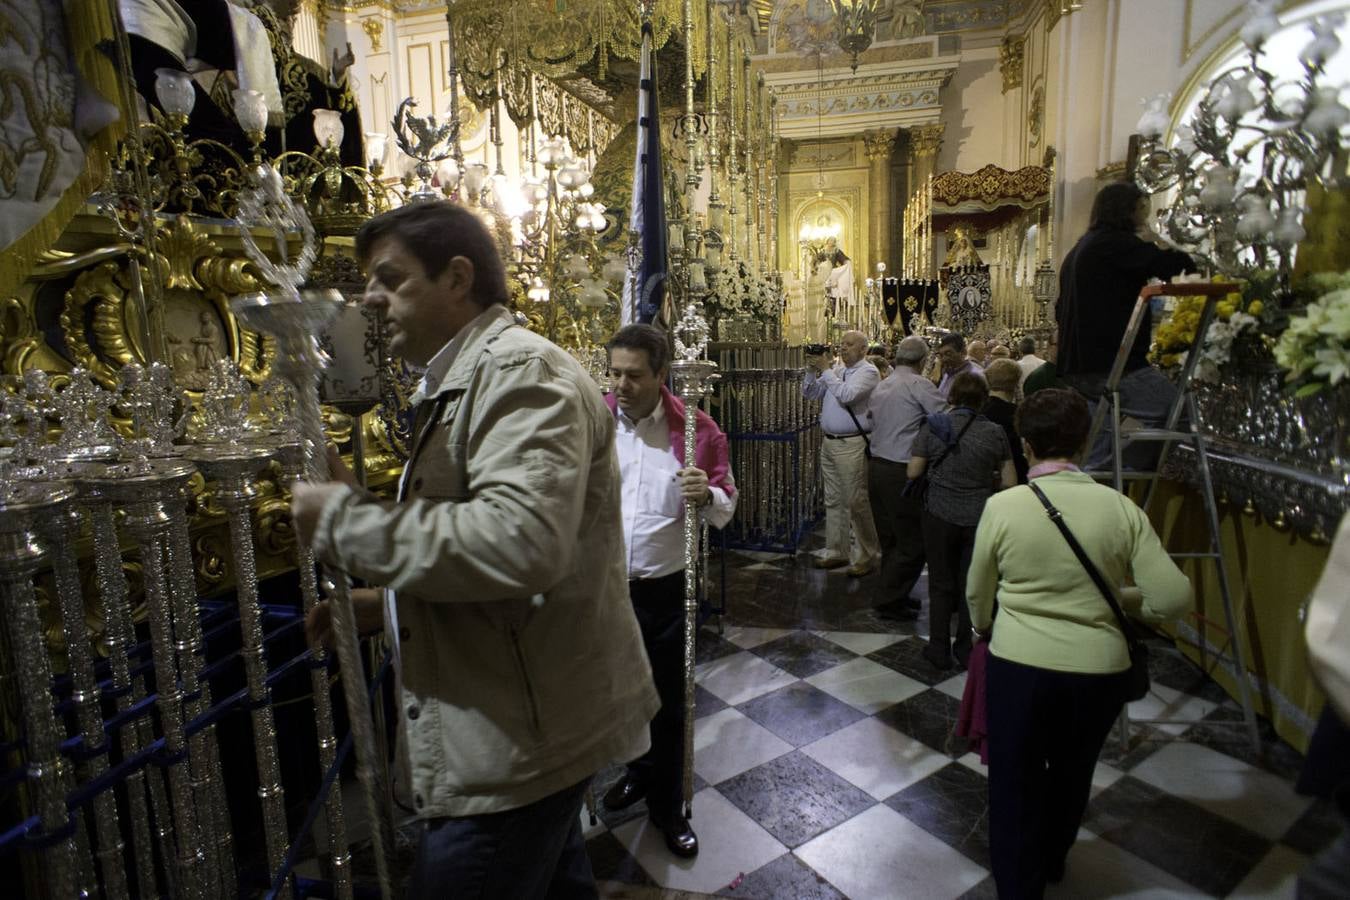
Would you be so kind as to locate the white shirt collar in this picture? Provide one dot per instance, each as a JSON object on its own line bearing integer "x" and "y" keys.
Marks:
{"x": 656, "y": 417}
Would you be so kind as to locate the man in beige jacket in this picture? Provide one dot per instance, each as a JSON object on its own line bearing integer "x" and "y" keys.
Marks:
{"x": 522, "y": 666}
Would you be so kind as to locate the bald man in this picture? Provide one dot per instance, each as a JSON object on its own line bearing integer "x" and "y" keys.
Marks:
{"x": 976, "y": 350}
{"x": 843, "y": 389}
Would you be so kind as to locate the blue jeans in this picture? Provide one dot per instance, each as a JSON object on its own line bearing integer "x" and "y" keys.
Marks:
{"x": 1146, "y": 395}
{"x": 530, "y": 853}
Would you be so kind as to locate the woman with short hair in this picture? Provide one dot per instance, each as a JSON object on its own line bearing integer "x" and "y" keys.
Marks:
{"x": 1059, "y": 664}
{"x": 969, "y": 455}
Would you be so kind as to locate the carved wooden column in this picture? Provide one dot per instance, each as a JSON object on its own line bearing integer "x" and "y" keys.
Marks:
{"x": 878, "y": 145}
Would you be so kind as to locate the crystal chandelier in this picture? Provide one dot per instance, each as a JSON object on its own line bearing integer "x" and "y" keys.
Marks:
{"x": 1241, "y": 165}
{"x": 856, "y": 23}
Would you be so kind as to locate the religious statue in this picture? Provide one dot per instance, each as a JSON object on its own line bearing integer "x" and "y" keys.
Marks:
{"x": 961, "y": 248}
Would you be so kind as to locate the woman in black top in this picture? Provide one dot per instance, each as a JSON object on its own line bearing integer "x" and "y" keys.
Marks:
{"x": 976, "y": 453}
{"x": 1099, "y": 285}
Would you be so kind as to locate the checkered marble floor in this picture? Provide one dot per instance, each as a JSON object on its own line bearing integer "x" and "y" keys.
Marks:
{"x": 826, "y": 768}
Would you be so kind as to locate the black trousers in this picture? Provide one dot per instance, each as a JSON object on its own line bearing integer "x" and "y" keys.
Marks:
{"x": 1046, "y": 730}
{"x": 899, "y": 522}
{"x": 659, "y": 605}
{"x": 949, "y": 548}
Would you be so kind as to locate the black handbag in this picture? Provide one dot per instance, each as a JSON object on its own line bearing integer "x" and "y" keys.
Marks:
{"x": 1137, "y": 686}
{"x": 917, "y": 488}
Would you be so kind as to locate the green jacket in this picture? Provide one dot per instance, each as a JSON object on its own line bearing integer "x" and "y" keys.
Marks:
{"x": 523, "y": 670}
{"x": 1050, "y": 613}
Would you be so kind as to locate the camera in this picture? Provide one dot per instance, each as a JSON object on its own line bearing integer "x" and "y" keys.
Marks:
{"x": 816, "y": 349}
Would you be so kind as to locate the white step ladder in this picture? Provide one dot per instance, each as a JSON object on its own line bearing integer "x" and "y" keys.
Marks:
{"x": 1178, "y": 431}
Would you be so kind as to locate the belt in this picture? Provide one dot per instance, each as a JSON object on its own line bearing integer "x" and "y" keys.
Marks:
{"x": 842, "y": 437}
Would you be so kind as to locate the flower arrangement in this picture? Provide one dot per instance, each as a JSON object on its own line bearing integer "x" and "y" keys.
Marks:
{"x": 1313, "y": 349}
{"x": 1239, "y": 319}
{"x": 739, "y": 291}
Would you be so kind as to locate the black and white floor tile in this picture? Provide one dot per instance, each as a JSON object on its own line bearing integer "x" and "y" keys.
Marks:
{"x": 826, "y": 768}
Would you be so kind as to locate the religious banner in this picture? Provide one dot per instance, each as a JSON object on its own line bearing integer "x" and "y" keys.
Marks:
{"x": 969, "y": 296}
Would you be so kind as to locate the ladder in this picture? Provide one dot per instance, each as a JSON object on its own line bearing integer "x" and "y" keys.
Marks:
{"x": 1178, "y": 431}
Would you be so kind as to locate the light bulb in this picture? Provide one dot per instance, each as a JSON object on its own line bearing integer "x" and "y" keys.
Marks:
{"x": 250, "y": 109}
{"x": 615, "y": 269}
{"x": 175, "y": 92}
{"x": 475, "y": 175}
{"x": 376, "y": 141}
{"x": 538, "y": 291}
{"x": 328, "y": 129}
{"x": 592, "y": 294}
{"x": 447, "y": 173}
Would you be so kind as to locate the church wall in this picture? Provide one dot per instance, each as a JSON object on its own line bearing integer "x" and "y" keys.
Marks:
{"x": 972, "y": 112}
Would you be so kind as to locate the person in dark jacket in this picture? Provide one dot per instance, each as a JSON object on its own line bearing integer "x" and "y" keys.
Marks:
{"x": 1099, "y": 283}
{"x": 1001, "y": 407}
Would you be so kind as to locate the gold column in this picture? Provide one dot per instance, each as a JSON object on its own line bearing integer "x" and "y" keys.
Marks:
{"x": 878, "y": 145}
{"x": 925, "y": 140}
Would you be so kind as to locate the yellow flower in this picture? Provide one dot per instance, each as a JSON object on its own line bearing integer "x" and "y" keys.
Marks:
{"x": 1169, "y": 359}
{"x": 1255, "y": 308}
{"x": 1226, "y": 310}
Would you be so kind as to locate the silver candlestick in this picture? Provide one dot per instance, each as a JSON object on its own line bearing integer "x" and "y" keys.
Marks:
{"x": 208, "y": 783}
{"x": 693, "y": 377}
{"x": 20, "y": 556}
{"x": 290, "y": 457}
{"x": 59, "y": 529}
{"x": 294, "y": 322}
{"x": 120, "y": 635}
{"x": 146, "y": 489}
{"x": 233, "y": 468}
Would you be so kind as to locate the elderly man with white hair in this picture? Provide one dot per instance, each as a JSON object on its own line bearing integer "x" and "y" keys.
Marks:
{"x": 843, "y": 389}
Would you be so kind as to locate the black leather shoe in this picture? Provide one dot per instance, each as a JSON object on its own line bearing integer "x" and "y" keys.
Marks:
{"x": 938, "y": 658}
{"x": 624, "y": 794}
{"x": 897, "y": 610}
{"x": 680, "y": 837}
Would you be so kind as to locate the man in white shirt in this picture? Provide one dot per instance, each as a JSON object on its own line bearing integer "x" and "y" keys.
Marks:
{"x": 656, "y": 485}
{"x": 1028, "y": 362}
{"x": 850, "y": 534}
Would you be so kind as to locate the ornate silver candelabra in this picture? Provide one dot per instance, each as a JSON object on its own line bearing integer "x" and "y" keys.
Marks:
{"x": 295, "y": 320}
{"x": 694, "y": 376}
{"x": 20, "y": 555}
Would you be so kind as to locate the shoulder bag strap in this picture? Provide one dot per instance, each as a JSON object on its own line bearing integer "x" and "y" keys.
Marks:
{"x": 1097, "y": 579}
{"x": 937, "y": 462}
{"x": 848, "y": 409}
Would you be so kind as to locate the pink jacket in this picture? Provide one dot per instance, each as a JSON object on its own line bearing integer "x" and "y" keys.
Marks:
{"x": 710, "y": 444}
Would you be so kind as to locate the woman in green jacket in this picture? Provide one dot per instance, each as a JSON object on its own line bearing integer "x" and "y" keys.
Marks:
{"x": 1058, "y": 662}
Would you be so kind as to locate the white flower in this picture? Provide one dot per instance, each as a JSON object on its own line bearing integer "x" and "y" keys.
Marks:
{"x": 1333, "y": 363}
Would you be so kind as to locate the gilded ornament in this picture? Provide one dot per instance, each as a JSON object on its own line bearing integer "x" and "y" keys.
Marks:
{"x": 374, "y": 30}
{"x": 1036, "y": 116}
{"x": 1012, "y": 60}
{"x": 925, "y": 140}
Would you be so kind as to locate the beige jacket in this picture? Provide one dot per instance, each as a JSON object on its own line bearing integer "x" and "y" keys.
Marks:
{"x": 523, "y": 670}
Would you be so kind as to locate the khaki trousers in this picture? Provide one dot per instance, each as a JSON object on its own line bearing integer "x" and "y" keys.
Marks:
{"x": 849, "y": 531}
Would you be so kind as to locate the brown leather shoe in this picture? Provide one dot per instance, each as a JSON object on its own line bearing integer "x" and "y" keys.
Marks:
{"x": 624, "y": 794}
{"x": 679, "y": 834}
{"x": 829, "y": 562}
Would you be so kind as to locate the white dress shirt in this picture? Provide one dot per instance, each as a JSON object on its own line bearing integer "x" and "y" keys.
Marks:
{"x": 1029, "y": 363}
{"x": 653, "y": 507}
{"x": 840, "y": 387}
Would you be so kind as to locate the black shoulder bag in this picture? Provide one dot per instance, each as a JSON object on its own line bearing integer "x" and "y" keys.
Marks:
{"x": 1138, "y": 682}
{"x": 917, "y": 488}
